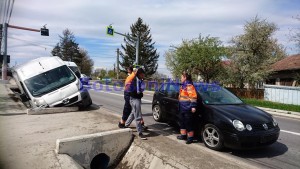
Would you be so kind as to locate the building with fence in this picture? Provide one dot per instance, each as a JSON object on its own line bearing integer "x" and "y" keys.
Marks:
{"x": 286, "y": 72}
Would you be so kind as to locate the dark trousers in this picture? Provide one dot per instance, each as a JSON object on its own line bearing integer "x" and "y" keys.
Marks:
{"x": 187, "y": 121}
{"x": 127, "y": 106}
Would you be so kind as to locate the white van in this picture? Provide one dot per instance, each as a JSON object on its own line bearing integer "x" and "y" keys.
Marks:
{"x": 72, "y": 66}
{"x": 48, "y": 82}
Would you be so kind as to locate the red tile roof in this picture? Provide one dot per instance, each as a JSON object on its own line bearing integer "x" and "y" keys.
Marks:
{"x": 288, "y": 63}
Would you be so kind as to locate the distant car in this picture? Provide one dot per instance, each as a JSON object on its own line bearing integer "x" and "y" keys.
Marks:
{"x": 222, "y": 119}
{"x": 85, "y": 79}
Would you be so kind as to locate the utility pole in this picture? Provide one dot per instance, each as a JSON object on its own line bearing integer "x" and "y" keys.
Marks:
{"x": 118, "y": 52}
{"x": 4, "y": 64}
{"x": 1, "y": 27}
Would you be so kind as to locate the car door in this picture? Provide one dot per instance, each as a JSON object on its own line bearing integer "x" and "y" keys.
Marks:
{"x": 160, "y": 98}
{"x": 171, "y": 101}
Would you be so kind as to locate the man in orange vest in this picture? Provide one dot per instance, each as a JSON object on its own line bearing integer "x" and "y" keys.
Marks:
{"x": 187, "y": 107}
{"x": 136, "y": 93}
{"x": 127, "y": 107}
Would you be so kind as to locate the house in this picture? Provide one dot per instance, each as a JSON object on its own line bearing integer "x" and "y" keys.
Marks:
{"x": 286, "y": 72}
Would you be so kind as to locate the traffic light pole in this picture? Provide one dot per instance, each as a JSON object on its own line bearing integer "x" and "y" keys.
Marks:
{"x": 4, "y": 64}
{"x": 137, "y": 39}
{"x": 136, "y": 47}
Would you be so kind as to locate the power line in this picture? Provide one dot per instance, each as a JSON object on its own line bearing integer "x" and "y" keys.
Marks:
{"x": 6, "y": 15}
{"x": 12, "y": 7}
{"x": 32, "y": 43}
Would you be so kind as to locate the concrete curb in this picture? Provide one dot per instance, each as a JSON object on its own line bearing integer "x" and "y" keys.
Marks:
{"x": 281, "y": 112}
{"x": 66, "y": 162}
{"x": 51, "y": 110}
{"x": 83, "y": 149}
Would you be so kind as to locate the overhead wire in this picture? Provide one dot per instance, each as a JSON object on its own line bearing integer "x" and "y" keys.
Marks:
{"x": 12, "y": 7}
{"x": 7, "y": 9}
{"x": 32, "y": 43}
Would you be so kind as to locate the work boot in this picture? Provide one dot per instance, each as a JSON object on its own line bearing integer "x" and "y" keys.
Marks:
{"x": 145, "y": 128}
{"x": 189, "y": 140}
{"x": 181, "y": 137}
{"x": 142, "y": 136}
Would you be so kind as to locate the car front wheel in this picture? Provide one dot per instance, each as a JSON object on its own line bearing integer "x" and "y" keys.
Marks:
{"x": 156, "y": 113}
{"x": 212, "y": 137}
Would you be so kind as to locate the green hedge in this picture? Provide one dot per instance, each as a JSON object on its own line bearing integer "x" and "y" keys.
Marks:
{"x": 272, "y": 105}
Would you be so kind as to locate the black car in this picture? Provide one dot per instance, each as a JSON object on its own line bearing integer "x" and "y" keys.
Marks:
{"x": 222, "y": 119}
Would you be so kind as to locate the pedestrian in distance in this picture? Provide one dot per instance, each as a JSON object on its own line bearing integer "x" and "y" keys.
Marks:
{"x": 187, "y": 108}
{"x": 127, "y": 106}
{"x": 136, "y": 94}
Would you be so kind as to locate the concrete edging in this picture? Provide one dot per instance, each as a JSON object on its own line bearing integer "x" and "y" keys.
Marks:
{"x": 283, "y": 113}
{"x": 51, "y": 110}
{"x": 85, "y": 147}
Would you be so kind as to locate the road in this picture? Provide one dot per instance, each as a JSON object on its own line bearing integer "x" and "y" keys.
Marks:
{"x": 285, "y": 153}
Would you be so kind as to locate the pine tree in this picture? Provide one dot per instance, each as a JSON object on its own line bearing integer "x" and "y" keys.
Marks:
{"x": 148, "y": 56}
{"x": 67, "y": 49}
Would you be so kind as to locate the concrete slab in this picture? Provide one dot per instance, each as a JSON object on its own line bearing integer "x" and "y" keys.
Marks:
{"x": 85, "y": 147}
{"x": 51, "y": 110}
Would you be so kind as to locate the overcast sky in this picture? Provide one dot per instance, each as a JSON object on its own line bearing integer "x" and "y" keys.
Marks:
{"x": 170, "y": 22}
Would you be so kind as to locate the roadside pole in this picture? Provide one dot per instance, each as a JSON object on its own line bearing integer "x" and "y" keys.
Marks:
{"x": 118, "y": 52}
{"x": 4, "y": 64}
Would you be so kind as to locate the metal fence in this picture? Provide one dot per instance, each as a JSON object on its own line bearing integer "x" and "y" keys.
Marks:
{"x": 282, "y": 94}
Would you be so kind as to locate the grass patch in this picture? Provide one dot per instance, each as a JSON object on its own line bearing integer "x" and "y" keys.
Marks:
{"x": 272, "y": 105}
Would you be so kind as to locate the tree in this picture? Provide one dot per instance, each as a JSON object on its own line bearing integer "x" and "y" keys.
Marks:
{"x": 67, "y": 48}
{"x": 295, "y": 34}
{"x": 86, "y": 65}
{"x": 200, "y": 56}
{"x": 148, "y": 56}
{"x": 253, "y": 52}
{"x": 112, "y": 74}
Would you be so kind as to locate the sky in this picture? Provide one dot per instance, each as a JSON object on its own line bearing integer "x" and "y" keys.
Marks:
{"x": 170, "y": 22}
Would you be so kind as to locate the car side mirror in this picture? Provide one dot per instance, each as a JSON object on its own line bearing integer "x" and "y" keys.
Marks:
{"x": 23, "y": 97}
{"x": 77, "y": 74}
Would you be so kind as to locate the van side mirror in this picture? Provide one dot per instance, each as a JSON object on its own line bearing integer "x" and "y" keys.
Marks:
{"x": 23, "y": 97}
{"x": 77, "y": 74}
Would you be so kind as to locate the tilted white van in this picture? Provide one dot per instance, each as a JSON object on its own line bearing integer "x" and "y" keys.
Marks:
{"x": 48, "y": 82}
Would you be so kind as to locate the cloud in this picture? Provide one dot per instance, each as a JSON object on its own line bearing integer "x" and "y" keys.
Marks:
{"x": 170, "y": 22}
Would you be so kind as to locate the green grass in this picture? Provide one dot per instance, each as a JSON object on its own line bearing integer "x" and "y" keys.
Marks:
{"x": 272, "y": 105}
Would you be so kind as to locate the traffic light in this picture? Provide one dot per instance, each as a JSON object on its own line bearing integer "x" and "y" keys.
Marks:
{"x": 44, "y": 32}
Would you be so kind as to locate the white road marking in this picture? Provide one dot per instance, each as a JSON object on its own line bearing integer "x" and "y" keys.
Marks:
{"x": 116, "y": 94}
{"x": 290, "y": 132}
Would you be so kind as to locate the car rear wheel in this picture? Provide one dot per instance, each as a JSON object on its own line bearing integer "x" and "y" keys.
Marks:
{"x": 156, "y": 113}
{"x": 212, "y": 137}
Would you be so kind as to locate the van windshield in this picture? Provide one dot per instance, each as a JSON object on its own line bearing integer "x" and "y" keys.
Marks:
{"x": 49, "y": 81}
{"x": 74, "y": 69}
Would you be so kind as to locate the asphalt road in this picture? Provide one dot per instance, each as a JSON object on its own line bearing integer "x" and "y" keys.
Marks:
{"x": 285, "y": 153}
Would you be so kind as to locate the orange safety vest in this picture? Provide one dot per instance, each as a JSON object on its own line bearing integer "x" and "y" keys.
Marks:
{"x": 187, "y": 97}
